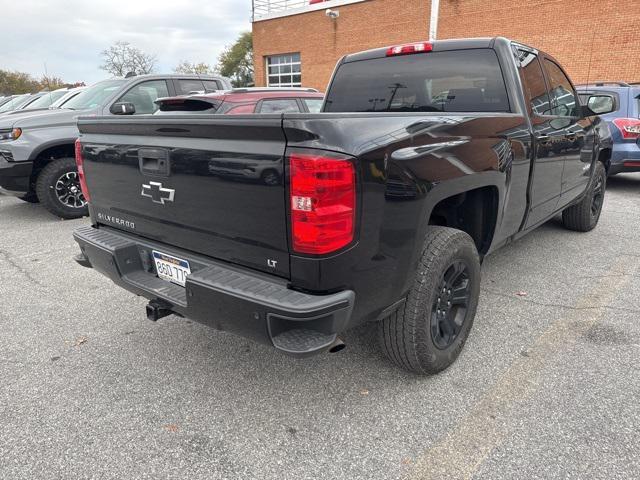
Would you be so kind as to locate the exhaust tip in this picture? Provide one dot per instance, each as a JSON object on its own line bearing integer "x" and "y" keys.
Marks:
{"x": 337, "y": 346}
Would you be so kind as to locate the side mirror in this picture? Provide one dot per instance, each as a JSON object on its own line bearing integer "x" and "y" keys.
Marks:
{"x": 600, "y": 104}
{"x": 123, "y": 108}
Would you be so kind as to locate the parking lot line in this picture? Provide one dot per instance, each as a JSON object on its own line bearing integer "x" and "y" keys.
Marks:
{"x": 461, "y": 452}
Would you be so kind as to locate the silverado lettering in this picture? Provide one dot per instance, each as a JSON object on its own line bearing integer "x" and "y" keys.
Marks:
{"x": 115, "y": 221}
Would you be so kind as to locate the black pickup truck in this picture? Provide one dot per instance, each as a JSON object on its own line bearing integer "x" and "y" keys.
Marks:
{"x": 425, "y": 159}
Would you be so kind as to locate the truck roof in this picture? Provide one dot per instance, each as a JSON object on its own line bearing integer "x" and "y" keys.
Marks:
{"x": 438, "y": 45}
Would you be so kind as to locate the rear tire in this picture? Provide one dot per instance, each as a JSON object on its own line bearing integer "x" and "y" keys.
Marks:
{"x": 426, "y": 334}
{"x": 584, "y": 216}
{"x": 59, "y": 190}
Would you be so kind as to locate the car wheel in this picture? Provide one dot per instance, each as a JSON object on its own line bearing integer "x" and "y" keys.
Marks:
{"x": 426, "y": 334}
{"x": 30, "y": 197}
{"x": 584, "y": 216}
{"x": 58, "y": 189}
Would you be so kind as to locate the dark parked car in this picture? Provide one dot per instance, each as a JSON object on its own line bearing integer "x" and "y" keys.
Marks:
{"x": 624, "y": 120}
{"x": 423, "y": 161}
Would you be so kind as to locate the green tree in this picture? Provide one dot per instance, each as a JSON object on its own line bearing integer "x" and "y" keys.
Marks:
{"x": 122, "y": 58}
{"x": 236, "y": 62}
{"x": 194, "y": 68}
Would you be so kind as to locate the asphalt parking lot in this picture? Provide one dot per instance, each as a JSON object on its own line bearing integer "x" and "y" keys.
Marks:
{"x": 547, "y": 386}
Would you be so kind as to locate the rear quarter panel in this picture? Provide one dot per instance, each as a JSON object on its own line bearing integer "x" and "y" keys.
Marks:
{"x": 407, "y": 164}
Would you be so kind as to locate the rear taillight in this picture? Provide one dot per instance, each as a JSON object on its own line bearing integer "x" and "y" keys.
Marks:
{"x": 629, "y": 127}
{"x": 81, "y": 177}
{"x": 409, "y": 49}
{"x": 323, "y": 202}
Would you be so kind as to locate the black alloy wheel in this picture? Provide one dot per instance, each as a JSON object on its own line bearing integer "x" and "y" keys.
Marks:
{"x": 449, "y": 309}
{"x": 598, "y": 197}
{"x": 59, "y": 191}
{"x": 69, "y": 192}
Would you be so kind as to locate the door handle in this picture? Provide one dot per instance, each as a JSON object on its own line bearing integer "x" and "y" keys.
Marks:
{"x": 154, "y": 161}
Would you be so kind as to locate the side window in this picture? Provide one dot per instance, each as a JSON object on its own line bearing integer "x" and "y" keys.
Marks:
{"x": 280, "y": 106}
{"x": 563, "y": 99}
{"x": 187, "y": 86}
{"x": 534, "y": 84}
{"x": 241, "y": 109}
{"x": 212, "y": 85}
{"x": 144, "y": 94}
{"x": 313, "y": 104}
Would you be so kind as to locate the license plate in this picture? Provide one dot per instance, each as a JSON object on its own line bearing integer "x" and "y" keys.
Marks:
{"x": 171, "y": 269}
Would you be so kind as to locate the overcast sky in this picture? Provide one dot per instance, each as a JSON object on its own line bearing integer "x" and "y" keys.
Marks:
{"x": 70, "y": 34}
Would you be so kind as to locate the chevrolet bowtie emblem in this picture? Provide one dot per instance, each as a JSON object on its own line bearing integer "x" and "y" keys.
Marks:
{"x": 157, "y": 193}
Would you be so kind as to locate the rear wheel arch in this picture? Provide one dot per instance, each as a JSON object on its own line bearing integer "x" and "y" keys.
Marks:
{"x": 46, "y": 154}
{"x": 473, "y": 211}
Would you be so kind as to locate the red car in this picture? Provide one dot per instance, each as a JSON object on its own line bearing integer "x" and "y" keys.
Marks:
{"x": 244, "y": 101}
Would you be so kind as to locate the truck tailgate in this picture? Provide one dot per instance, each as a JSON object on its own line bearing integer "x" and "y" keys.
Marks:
{"x": 212, "y": 185}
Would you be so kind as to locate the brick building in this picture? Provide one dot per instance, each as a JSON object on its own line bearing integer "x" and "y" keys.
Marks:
{"x": 297, "y": 43}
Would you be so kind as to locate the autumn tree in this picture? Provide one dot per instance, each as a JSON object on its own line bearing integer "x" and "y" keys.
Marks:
{"x": 52, "y": 83}
{"x": 13, "y": 83}
{"x": 123, "y": 58}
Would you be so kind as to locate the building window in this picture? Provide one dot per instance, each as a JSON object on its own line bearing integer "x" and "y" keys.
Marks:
{"x": 284, "y": 70}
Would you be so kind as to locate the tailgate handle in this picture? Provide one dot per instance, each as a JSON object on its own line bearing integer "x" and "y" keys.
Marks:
{"x": 154, "y": 161}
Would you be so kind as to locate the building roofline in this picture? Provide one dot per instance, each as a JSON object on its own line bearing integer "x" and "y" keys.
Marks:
{"x": 302, "y": 10}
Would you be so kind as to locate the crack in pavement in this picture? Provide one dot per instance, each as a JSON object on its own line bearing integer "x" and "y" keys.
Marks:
{"x": 563, "y": 306}
{"x": 7, "y": 256}
{"x": 542, "y": 304}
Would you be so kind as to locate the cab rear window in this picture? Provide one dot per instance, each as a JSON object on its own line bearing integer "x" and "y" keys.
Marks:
{"x": 449, "y": 81}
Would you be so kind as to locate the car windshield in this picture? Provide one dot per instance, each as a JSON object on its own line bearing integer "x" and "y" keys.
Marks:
{"x": 65, "y": 98}
{"x": 15, "y": 103}
{"x": 95, "y": 95}
{"x": 46, "y": 100}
